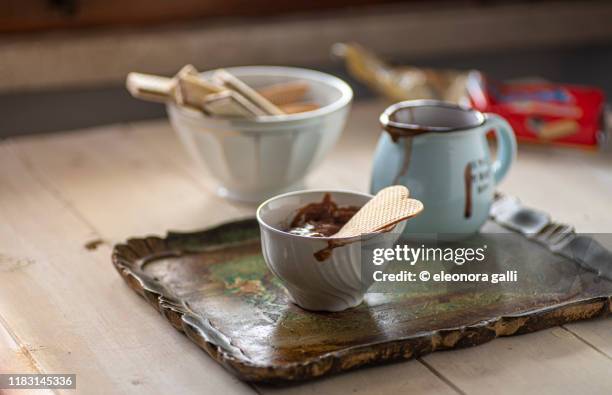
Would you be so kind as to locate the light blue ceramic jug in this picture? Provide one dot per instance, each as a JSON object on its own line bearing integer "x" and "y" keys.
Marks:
{"x": 440, "y": 152}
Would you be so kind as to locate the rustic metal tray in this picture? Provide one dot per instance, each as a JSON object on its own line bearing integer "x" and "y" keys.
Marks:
{"x": 213, "y": 285}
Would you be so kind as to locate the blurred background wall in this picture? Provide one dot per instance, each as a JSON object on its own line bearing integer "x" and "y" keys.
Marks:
{"x": 63, "y": 62}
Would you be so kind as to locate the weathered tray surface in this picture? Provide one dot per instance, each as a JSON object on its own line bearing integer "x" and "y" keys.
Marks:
{"x": 214, "y": 286}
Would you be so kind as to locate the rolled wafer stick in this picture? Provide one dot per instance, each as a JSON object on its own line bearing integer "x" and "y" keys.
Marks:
{"x": 193, "y": 90}
{"x": 222, "y": 77}
{"x": 150, "y": 87}
{"x": 157, "y": 88}
{"x": 229, "y": 104}
{"x": 188, "y": 69}
{"x": 228, "y": 97}
{"x": 187, "y": 89}
{"x": 285, "y": 93}
{"x": 293, "y": 108}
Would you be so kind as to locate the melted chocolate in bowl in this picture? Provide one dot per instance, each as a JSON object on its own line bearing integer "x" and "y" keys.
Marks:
{"x": 322, "y": 219}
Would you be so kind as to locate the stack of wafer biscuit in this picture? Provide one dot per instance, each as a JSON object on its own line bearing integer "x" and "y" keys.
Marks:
{"x": 221, "y": 95}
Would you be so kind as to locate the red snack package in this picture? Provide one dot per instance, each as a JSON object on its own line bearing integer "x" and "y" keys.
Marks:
{"x": 543, "y": 111}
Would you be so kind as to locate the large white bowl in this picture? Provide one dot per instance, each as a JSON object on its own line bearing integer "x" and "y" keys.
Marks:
{"x": 255, "y": 159}
{"x": 335, "y": 284}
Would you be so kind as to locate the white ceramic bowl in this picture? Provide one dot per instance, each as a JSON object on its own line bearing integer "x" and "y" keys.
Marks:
{"x": 255, "y": 159}
{"x": 335, "y": 284}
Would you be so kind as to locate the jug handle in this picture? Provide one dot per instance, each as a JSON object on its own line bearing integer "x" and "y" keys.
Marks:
{"x": 506, "y": 145}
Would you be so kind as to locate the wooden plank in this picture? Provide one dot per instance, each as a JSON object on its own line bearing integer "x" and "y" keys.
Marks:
{"x": 547, "y": 362}
{"x": 597, "y": 334}
{"x": 16, "y": 359}
{"x": 409, "y": 377}
{"x": 75, "y": 315}
{"x": 13, "y": 357}
{"x": 572, "y": 185}
{"x": 122, "y": 189}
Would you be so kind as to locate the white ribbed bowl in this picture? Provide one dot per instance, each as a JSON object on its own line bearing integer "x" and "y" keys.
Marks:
{"x": 334, "y": 284}
{"x": 253, "y": 160}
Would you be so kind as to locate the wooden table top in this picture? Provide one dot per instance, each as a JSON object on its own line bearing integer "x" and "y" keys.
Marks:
{"x": 65, "y": 199}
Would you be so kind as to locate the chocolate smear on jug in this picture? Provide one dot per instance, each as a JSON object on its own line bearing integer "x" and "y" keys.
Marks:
{"x": 407, "y": 135}
{"x": 405, "y": 162}
{"x": 397, "y": 133}
{"x": 468, "y": 178}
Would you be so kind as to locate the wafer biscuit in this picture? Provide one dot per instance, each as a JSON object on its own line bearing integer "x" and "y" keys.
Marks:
{"x": 229, "y": 104}
{"x": 390, "y": 206}
{"x": 222, "y": 77}
{"x": 285, "y": 93}
{"x": 294, "y": 108}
